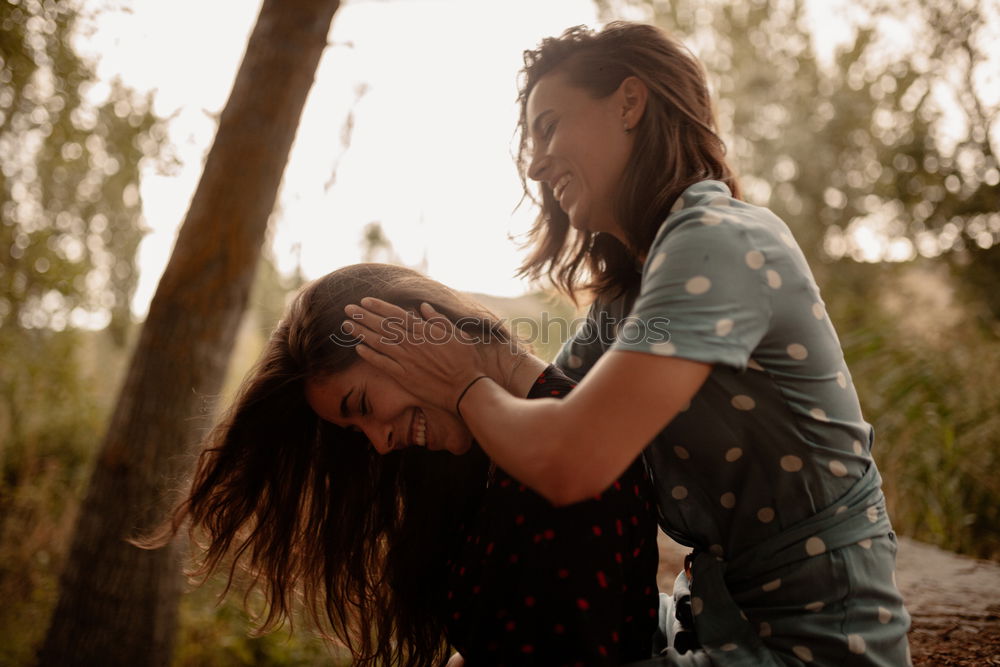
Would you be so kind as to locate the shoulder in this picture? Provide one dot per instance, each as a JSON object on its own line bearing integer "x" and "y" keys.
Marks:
{"x": 708, "y": 223}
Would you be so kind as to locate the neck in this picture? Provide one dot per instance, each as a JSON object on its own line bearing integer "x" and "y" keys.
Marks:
{"x": 516, "y": 371}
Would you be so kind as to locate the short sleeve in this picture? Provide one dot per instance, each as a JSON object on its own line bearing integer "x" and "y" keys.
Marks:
{"x": 705, "y": 293}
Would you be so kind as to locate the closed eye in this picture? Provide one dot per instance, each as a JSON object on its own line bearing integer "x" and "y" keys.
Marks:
{"x": 548, "y": 131}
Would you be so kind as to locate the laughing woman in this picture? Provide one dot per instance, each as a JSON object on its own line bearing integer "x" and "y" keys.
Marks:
{"x": 726, "y": 374}
{"x": 329, "y": 482}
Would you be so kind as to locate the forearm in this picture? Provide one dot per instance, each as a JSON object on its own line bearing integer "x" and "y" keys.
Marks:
{"x": 540, "y": 442}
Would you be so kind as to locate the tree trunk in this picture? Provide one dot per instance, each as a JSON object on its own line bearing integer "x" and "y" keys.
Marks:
{"x": 117, "y": 603}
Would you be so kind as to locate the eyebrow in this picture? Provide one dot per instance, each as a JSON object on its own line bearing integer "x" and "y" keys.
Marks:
{"x": 345, "y": 411}
{"x": 535, "y": 126}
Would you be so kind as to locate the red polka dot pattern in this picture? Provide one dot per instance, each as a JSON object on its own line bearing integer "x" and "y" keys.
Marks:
{"x": 533, "y": 584}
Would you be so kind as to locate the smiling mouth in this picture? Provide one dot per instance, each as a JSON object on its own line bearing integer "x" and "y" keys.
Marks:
{"x": 418, "y": 429}
{"x": 559, "y": 187}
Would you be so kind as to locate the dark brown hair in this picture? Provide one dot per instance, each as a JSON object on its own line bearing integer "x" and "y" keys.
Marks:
{"x": 309, "y": 511}
{"x": 676, "y": 145}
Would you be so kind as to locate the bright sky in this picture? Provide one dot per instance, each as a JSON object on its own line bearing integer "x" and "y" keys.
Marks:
{"x": 430, "y": 157}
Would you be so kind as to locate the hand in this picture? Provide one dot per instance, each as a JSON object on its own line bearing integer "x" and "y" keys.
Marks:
{"x": 430, "y": 357}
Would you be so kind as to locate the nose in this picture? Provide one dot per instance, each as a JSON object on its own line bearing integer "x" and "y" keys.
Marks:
{"x": 538, "y": 166}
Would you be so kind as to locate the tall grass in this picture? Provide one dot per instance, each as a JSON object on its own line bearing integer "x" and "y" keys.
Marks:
{"x": 927, "y": 370}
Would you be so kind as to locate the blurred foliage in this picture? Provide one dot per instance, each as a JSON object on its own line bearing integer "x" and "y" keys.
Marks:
{"x": 215, "y": 635}
{"x": 927, "y": 382}
{"x": 894, "y": 139}
{"x": 52, "y": 412}
{"x": 70, "y": 210}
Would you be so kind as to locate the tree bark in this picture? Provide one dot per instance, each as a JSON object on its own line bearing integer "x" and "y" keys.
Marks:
{"x": 117, "y": 603}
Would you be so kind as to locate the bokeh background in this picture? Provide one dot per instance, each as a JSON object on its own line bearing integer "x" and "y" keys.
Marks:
{"x": 871, "y": 127}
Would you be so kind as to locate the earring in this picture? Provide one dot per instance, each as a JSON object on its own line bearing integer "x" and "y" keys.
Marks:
{"x": 626, "y": 127}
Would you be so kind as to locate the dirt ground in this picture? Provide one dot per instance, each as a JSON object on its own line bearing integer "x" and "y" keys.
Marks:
{"x": 954, "y": 601}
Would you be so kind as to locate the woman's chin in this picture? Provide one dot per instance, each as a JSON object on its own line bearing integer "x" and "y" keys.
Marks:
{"x": 460, "y": 447}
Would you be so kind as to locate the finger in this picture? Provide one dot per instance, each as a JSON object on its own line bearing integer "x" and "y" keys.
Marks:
{"x": 391, "y": 328}
{"x": 380, "y": 335}
{"x": 428, "y": 313}
{"x": 383, "y": 308}
{"x": 434, "y": 326}
{"x": 381, "y": 361}
{"x": 432, "y": 316}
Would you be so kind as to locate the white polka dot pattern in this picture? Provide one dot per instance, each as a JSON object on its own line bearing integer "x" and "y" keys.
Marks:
{"x": 664, "y": 349}
{"x": 791, "y": 463}
{"x": 736, "y": 296}
{"x": 815, "y": 546}
{"x": 797, "y": 351}
{"x": 754, "y": 259}
{"x": 803, "y": 653}
{"x": 698, "y": 285}
{"x": 819, "y": 415}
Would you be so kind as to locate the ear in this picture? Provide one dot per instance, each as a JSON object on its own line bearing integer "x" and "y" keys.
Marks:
{"x": 632, "y": 94}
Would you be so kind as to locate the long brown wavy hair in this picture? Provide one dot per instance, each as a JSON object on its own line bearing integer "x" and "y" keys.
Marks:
{"x": 309, "y": 512}
{"x": 676, "y": 145}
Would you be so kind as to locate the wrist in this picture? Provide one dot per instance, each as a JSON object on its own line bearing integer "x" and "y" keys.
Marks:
{"x": 465, "y": 390}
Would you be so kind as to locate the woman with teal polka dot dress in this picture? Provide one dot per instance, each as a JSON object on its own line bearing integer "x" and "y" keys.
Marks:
{"x": 707, "y": 350}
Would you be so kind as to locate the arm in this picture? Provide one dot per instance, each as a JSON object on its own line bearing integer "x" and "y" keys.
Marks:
{"x": 581, "y": 444}
{"x": 567, "y": 450}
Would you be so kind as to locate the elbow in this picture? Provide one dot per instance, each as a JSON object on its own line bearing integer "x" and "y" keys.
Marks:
{"x": 568, "y": 492}
{"x": 563, "y": 478}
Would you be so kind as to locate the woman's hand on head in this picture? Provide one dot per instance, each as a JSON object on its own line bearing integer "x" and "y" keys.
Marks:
{"x": 425, "y": 353}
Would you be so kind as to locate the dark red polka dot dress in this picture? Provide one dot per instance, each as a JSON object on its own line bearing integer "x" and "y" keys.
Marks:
{"x": 533, "y": 584}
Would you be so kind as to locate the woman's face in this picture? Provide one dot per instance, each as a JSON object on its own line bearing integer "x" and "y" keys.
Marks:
{"x": 579, "y": 149}
{"x": 367, "y": 400}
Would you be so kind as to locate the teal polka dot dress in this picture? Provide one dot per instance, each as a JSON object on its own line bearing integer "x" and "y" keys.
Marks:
{"x": 767, "y": 474}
